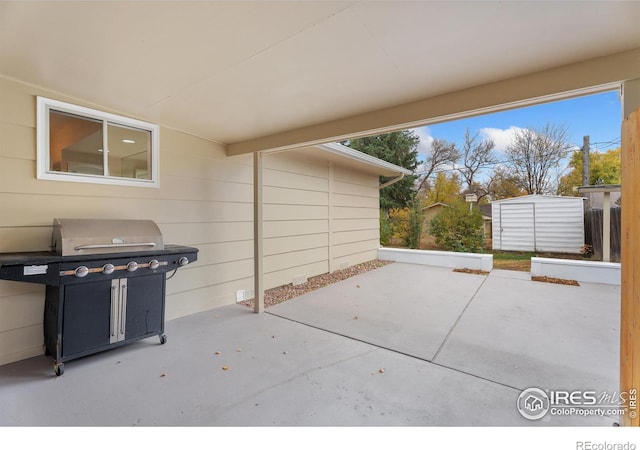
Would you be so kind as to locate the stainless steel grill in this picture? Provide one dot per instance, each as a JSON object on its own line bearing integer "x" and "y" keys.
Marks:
{"x": 85, "y": 236}
{"x": 105, "y": 284}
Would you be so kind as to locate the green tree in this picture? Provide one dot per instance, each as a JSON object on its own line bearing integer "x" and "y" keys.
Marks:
{"x": 400, "y": 148}
{"x": 604, "y": 168}
{"x": 457, "y": 228}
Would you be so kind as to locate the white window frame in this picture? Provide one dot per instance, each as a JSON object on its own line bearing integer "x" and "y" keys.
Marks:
{"x": 45, "y": 105}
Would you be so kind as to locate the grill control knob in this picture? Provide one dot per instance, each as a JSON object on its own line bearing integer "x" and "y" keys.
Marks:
{"x": 183, "y": 261}
{"x": 108, "y": 269}
{"x": 154, "y": 264}
{"x": 132, "y": 266}
{"x": 81, "y": 271}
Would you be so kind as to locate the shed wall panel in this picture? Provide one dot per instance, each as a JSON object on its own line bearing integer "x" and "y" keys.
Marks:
{"x": 539, "y": 223}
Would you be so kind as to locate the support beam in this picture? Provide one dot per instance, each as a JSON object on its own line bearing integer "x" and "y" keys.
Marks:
{"x": 606, "y": 227}
{"x": 330, "y": 252}
{"x": 581, "y": 78}
{"x": 630, "y": 259}
{"x": 258, "y": 253}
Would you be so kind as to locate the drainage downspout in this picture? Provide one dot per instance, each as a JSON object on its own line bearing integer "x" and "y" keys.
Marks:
{"x": 390, "y": 182}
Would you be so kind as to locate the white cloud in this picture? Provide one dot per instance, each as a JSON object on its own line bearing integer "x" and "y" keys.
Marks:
{"x": 502, "y": 138}
{"x": 424, "y": 147}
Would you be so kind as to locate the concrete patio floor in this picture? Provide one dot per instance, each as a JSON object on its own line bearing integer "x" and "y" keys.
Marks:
{"x": 403, "y": 345}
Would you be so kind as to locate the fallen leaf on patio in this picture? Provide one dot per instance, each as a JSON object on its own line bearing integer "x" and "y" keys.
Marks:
{"x": 284, "y": 353}
{"x": 225, "y": 367}
{"x": 238, "y": 349}
{"x": 163, "y": 375}
{"x": 381, "y": 371}
{"x": 357, "y": 285}
{"x": 355, "y": 317}
{"x": 216, "y": 353}
{"x": 472, "y": 271}
{"x": 555, "y": 280}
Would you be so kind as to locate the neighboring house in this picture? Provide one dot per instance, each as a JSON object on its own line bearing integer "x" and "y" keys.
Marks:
{"x": 431, "y": 211}
{"x": 538, "y": 223}
{"x": 487, "y": 221}
{"x": 595, "y": 200}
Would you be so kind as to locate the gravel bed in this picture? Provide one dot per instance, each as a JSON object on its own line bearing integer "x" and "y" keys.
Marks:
{"x": 283, "y": 293}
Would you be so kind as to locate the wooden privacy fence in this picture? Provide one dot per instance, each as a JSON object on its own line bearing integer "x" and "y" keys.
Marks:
{"x": 593, "y": 232}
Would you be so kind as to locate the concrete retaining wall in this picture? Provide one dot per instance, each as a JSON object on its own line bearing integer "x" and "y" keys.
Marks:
{"x": 569, "y": 269}
{"x": 476, "y": 261}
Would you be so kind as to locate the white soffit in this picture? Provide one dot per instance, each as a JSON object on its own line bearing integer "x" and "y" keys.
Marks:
{"x": 237, "y": 71}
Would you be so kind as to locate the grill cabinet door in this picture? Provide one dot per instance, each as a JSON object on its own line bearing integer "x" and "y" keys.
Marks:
{"x": 87, "y": 312}
{"x": 145, "y": 305}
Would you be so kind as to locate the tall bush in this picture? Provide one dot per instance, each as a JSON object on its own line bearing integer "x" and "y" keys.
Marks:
{"x": 406, "y": 225}
{"x": 385, "y": 229}
{"x": 457, "y": 228}
{"x": 414, "y": 226}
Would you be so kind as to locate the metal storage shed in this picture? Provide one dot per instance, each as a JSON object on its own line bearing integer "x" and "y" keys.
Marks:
{"x": 538, "y": 223}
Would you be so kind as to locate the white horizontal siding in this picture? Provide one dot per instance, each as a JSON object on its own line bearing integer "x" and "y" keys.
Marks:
{"x": 287, "y": 275}
{"x": 205, "y": 200}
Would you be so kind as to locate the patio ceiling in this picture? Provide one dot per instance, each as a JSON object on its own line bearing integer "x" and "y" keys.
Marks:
{"x": 268, "y": 74}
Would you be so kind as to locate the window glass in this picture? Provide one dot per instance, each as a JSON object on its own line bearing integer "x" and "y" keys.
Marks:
{"x": 75, "y": 144}
{"x": 129, "y": 152}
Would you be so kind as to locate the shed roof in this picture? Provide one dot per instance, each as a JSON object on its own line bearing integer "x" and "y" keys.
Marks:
{"x": 535, "y": 197}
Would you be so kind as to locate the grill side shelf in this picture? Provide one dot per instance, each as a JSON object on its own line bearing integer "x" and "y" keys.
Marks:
{"x": 41, "y": 273}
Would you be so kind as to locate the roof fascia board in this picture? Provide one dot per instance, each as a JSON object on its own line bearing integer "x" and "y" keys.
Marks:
{"x": 346, "y": 152}
{"x": 572, "y": 80}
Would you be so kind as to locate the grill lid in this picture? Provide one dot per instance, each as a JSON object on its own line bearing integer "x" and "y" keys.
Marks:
{"x": 97, "y": 236}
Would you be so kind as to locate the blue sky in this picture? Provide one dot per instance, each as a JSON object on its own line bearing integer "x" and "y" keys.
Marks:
{"x": 598, "y": 116}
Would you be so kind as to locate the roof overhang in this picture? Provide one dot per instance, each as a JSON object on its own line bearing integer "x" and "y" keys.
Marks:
{"x": 354, "y": 158}
{"x": 261, "y": 75}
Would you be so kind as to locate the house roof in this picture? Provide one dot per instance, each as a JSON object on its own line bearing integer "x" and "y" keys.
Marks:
{"x": 436, "y": 204}
{"x": 260, "y": 75}
{"x": 363, "y": 161}
{"x": 486, "y": 210}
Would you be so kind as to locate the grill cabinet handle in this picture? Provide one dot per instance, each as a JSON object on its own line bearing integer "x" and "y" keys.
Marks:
{"x": 131, "y": 244}
{"x": 123, "y": 306}
{"x": 114, "y": 309}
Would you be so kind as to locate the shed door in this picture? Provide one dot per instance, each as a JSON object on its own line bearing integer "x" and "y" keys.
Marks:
{"x": 517, "y": 227}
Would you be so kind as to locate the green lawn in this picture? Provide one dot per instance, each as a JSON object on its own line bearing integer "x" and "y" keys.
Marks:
{"x": 512, "y": 260}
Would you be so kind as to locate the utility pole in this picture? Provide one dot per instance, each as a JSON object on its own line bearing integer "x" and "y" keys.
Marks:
{"x": 585, "y": 161}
